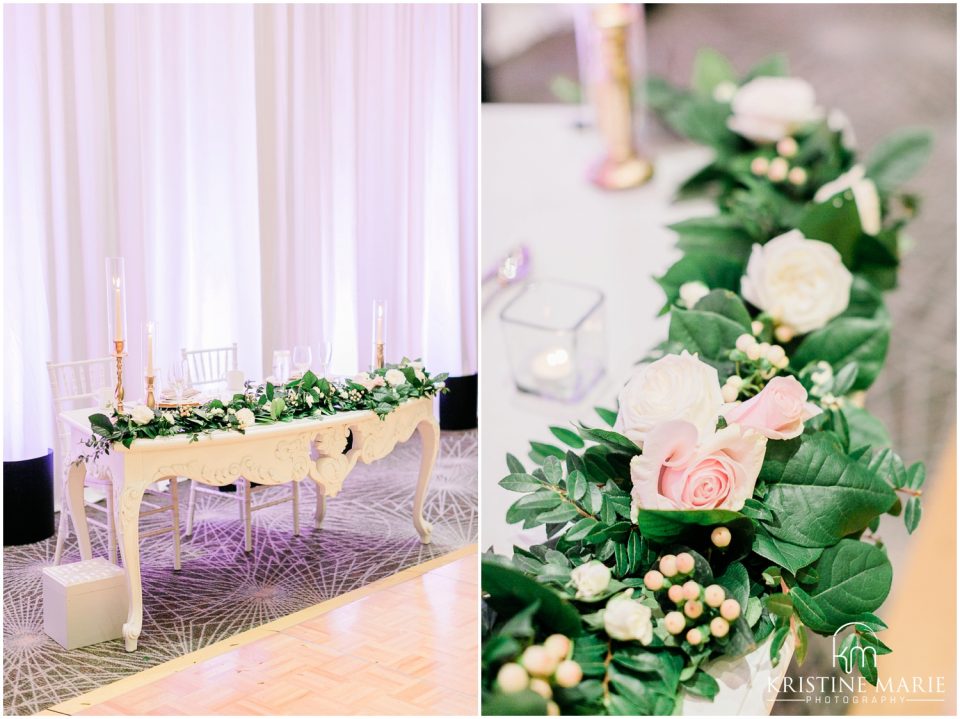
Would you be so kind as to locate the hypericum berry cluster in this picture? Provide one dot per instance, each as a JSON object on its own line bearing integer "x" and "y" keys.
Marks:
{"x": 756, "y": 362}
{"x": 701, "y": 612}
{"x": 778, "y": 168}
{"x": 540, "y": 667}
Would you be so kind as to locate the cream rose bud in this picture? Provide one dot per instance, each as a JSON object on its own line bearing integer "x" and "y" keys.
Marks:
{"x": 538, "y": 661}
{"x": 395, "y": 377}
{"x": 591, "y": 579}
{"x": 787, "y": 147}
{"x": 802, "y": 283}
{"x": 653, "y": 580}
{"x": 745, "y": 342}
{"x": 767, "y": 109}
{"x": 674, "y": 622}
{"x": 720, "y": 537}
{"x": 730, "y": 393}
{"x": 692, "y": 292}
{"x": 568, "y": 674}
{"x": 246, "y": 417}
{"x": 675, "y": 387}
{"x": 777, "y": 172}
{"x": 759, "y": 165}
{"x": 627, "y": 619}
{"x": 141, "y": 414}
{"x": 676, "y": 471}
{"x": 714, "y": 595}
{"x": 864, "y": 195}
{"x": 512, "y": 678}
{"x": 730, "y": 609}
{"x": 777, "y": 412}
{"x": 558, "y": 645}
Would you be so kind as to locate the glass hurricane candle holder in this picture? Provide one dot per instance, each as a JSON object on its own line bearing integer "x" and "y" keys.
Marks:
{"x": 556, "y": 339}
{"x": 116, "y": 296}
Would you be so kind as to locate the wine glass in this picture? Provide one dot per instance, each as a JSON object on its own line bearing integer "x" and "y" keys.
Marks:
{"x": 302, "y": 357}
{"x": 326, "y": 355}
{"x": 281, "y": 367}
{"x": 177, "y": 377}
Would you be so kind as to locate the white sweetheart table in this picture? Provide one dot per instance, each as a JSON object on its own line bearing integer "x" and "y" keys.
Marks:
{"x": 268, "y": 454}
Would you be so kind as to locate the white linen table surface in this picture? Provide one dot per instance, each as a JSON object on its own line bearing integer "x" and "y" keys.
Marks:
{"x": 535, "y": 192}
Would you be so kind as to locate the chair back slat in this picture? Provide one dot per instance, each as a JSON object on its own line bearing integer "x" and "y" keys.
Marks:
{"x": 74, "y": 385}
{"x": 209, "y": 366}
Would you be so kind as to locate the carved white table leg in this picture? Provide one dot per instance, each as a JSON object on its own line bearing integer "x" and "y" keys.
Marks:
{"x": 127, "y": 496}
{"x": 76, "y": 474}
{"x": 429, "y": 430}
{"x": 321, "y": 506}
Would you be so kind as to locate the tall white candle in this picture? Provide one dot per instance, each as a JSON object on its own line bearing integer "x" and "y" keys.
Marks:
{"x": 117, "y": 312}
{"x": 150, "y": 349}
{"x": 379, "y": 324}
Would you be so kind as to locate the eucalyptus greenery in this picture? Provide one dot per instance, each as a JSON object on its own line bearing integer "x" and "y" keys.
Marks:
{"x": 803, "y": 554}
{"x": 380, "y": 391}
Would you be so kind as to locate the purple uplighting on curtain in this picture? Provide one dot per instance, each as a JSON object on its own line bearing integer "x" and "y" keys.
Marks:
{"x": 265, "y": 171}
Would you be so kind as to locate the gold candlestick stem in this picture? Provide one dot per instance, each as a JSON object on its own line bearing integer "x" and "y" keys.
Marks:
{"x": 622, "y": 167}
{"x": 151, "y": 400}
{"x": 118, "y": 390}
{"x": 380, "y": 361}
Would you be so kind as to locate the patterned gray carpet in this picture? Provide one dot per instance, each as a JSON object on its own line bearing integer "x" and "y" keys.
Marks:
{"x": 221, "y": 591}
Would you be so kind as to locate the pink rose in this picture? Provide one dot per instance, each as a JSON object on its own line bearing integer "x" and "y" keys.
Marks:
{"x": 778, "y": 412}
{"x": 675, "y": 473}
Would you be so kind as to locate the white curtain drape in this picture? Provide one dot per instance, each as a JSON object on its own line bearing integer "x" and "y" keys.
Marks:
{"x": 265, "y": 171}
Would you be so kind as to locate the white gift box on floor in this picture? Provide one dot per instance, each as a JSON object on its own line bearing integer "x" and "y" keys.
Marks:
{"x": 84, "y": 602}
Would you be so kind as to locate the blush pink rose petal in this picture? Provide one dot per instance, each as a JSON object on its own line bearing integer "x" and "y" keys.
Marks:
{"x": 778, "y": 412}
{"x": 675, "y": 473}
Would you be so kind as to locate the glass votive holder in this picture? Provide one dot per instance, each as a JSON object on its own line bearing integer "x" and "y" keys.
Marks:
{"x": 556, "y": 338}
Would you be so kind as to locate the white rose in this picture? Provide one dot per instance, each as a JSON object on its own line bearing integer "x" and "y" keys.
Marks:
{"x": 246, "y": 417}
{"x": 627, "y": 619}
{"x": 395, "y": 377}
{"x": 673, "y": 387}
{"x": 768, "y": 109}
{"x": 864, "y": 194}
{"x": 141, "y": 414}
{"x": 590, "y": 579}
{"x": 169, "y": 418}
{"x": 365, "y": 381}
{"x": 802, "y": 283}
{"x": 692, "y": 292}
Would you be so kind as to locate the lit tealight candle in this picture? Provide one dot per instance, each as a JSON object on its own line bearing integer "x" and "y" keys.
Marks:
{"x": 552, "y": 364}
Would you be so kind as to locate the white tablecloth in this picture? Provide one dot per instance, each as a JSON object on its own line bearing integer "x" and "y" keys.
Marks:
{"x": 534, "y": 191}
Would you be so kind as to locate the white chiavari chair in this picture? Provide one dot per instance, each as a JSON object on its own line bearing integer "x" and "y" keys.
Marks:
{"x": 208, "y": 367}
{"x": 74, "y": 385}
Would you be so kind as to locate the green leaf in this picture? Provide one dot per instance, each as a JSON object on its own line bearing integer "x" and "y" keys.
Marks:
{"x": 727, "y": 304}
{"x": 522, "y": 703}
{"x": 715, "y": 235}
{"x": 520, "y": 482}
{"x": 916, "y": 475}
{"x": 547, "y": 450}
{"x": 710, "y": 68}
{"x": 702, "y": 684}
{"x": 835, "y": 221}
{"x": 865, "y": 429}
{"x": 563, "y": 513}
{"x": 567, "y": 436}
{"x": 510, "y": 590}
{"x": 854, "y": 577}
{"x": 736, "y": 582}
{"x": 580, "y": 530}
{"x": 553, "y": 470}
{"x": 515, "y": 465}
{"x": 101, "y": 425}
{"x": 607, "y": 415}
{"x": 611, "y": 439}
{"x": 848, "y": 339}
{"x": 898, "y": 157}
{"x": 779, "y": 605}
{"x": 712, "y": 270}
{"x": 911, "y": 514}
{"x": 835, "y": 495}
{"x": 708, "y": 334}
{"x": 576, "y": 485}
{"x": 789, "y": 556}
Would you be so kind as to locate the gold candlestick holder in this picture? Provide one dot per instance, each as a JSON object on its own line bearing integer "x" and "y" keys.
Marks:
{"x": 118, "y": 346}
{"x": 151, "y": 399}
{"x": 622, "y": 167}
{"x": 379, "y": 358}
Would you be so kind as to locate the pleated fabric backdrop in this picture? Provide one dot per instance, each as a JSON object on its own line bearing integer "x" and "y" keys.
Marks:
{"x": 267, "y": 172}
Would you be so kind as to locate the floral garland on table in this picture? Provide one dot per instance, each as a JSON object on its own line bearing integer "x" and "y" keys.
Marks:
{"x": 380, "y": 391}
{"x": 740, "y": 482}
